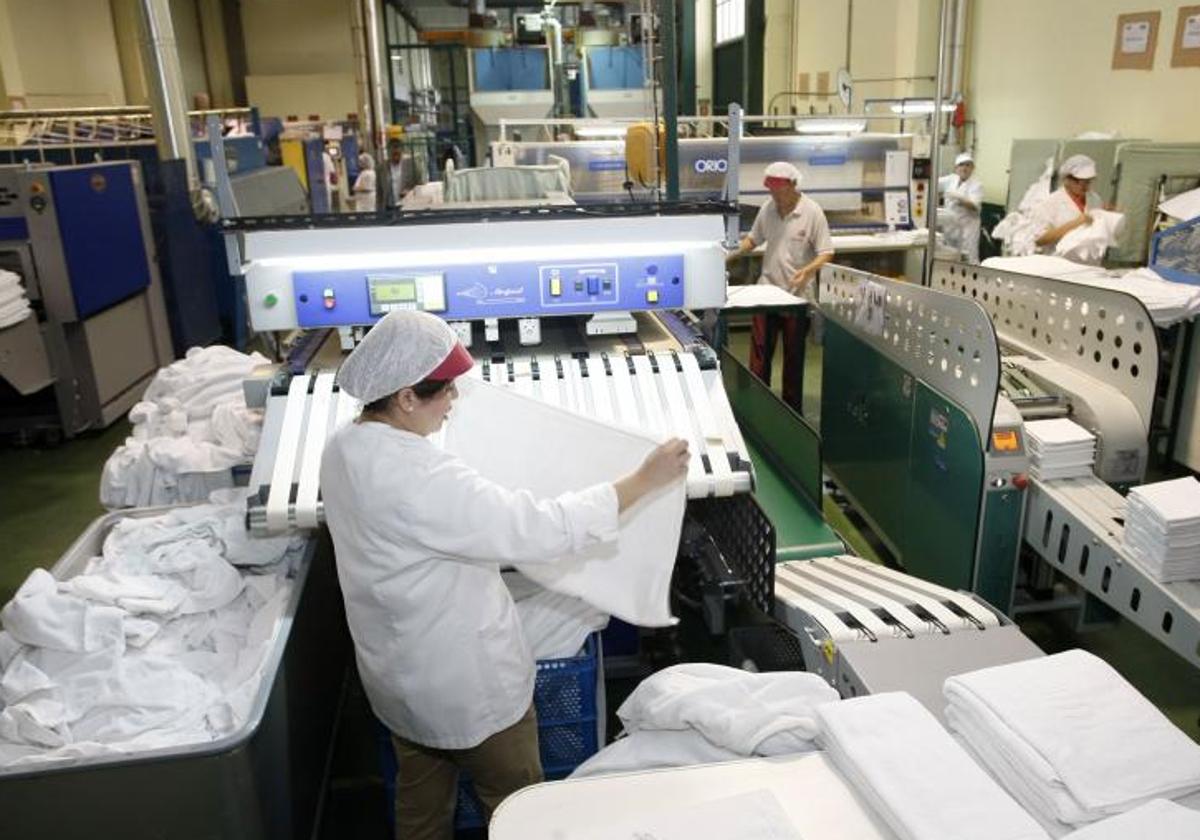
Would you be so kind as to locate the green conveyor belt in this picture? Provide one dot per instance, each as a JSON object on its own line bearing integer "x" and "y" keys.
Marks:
{"x": 800, "y": 529}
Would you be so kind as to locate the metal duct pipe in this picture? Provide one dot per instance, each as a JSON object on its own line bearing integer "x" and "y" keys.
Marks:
{"x": 362, "y": 71}
{"x": 936, "y": 151}
{"x": 552, "y": 29}
{"x": 168, "y": 104}
{"x": 958, "y": 50}
{"x": 375, "y": 64}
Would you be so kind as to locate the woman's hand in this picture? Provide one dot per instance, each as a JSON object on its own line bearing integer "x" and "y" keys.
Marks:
{"x": 667, "y": 463}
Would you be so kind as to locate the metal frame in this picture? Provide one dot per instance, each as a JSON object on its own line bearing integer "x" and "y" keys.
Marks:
{"x": 1105, "y": 334}
{"x": 946, "y": 340}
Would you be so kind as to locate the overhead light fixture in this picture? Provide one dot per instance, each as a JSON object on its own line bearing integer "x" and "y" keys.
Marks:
{"x": 596, "y": 131}
{"x": 921, "y": 107}
{"x": 832, "y": 126}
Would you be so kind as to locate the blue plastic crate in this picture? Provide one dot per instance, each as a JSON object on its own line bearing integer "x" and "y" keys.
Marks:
{"x": 564, "y": 695}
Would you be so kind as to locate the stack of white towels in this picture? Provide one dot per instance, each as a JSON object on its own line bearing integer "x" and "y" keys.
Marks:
{"x": 1071, "y": 739}
{"x": 1162, "y": 528}
{"x": 14, "y": 305}
{"x": 1059, "y": 448}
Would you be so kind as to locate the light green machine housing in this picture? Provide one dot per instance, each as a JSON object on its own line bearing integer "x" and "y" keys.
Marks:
{"x": 913, "y": 432}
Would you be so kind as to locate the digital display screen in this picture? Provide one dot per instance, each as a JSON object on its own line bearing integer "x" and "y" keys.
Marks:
{"x": 1006, "y": 441}
{"x": 393, "y": 291}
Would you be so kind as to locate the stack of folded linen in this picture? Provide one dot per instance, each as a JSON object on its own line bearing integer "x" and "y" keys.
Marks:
{"x": 922, "y": 783}
{"x": 1070, "y": 738}
{"x": 14, "y": 305}
{"x": 1060, "y": 448}
{"x": 1159, "y": 819}
{"x": 1162, "y": 528}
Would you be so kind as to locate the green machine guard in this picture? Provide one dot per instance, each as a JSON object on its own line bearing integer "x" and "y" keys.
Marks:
{"x": 910, "y": 378}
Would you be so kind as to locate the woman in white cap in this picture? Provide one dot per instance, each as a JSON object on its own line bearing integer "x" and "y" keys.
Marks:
{"x": 419, "y": 538}
{"x": 364, "y": 184}
{"x": 1069, "y": 206}
{"x": 959, "y": 219}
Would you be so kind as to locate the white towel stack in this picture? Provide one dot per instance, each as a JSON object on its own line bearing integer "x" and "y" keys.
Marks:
{"x": 1070, "y": 738}
{"x": 1162, "y": 528}
{"x": 14, "y": 305}
{"x": 1059, "y": 448}
{"x": 923, "y": 784}
{"x": 1159, "y": 819}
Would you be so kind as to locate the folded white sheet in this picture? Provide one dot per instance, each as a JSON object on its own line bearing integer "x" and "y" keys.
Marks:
{"x": 1070, "y": 738}
{"x": 651, "y": 749}
{"x": 919, "y": 780}
{"x": 1156, "y": 820}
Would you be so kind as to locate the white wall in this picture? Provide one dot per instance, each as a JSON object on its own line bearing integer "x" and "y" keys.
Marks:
{"x": 1058, "y": 83}
{"x": 59, "y": 53}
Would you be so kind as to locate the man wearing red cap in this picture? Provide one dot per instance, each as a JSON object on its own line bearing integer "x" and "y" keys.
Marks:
{"x": 798, "y": 241}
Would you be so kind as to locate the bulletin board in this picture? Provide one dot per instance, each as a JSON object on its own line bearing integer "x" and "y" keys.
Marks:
{"x": 1137, "y": 37}
{"x": 1187, "y": 38}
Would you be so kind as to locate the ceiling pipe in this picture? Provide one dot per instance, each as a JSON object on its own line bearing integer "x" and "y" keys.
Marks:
{"x": 377, "y": 75}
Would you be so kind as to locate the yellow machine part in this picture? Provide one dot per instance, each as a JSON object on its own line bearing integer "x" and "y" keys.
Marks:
{"x": 292, "y": 154}
{"x": 640, "y": 159}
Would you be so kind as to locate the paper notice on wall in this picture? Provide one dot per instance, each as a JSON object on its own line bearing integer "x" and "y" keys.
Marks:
{"x": 1191, "y": 32}
{"x": 1135, "y": 37}
{"x": 895, "y": 169}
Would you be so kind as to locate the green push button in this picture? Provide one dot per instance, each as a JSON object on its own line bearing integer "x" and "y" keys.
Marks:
{"x": 270, "y": 300}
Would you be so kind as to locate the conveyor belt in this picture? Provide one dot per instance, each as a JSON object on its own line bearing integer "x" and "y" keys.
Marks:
{"x": 800, "y": 529}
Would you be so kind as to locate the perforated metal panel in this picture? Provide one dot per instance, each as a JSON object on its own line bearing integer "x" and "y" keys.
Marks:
{"x": 945, "y": 340}
{"x": 1102, "y": 333}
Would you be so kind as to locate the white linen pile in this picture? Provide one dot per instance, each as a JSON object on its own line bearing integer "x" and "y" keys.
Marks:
{"x": 190, "y": 427}
{"x": 1158, "y": 819}
{"x": 1087, "y": 243}
{"x": 1019, "y": 230}
{"x": 1070, "y": 738}
{"x": 14, "y": 305}
{"x": 922, "y": 783}
{"x": 699, "y": 713}
{"x": 1162, "y": 528}
{"x": 555, "y": 625}
{"x": 1059, "y": 448}
{"x": 1167, "y": 302}
{"x": 159, "y": 642}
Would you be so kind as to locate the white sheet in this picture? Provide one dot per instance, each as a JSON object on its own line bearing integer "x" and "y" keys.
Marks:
{"x": 555, "y": 625}
{"x": 1070, "y": 738}
{"x": 1184, "y": 206}
{"x": 652, "y": 749}
{"x": 1156, "y": 820}
{"x": 1087, "y": 243}
{"x": 14, "y": 305}
{"x": 925, "y": 786}
{"x": 548, "y": 451}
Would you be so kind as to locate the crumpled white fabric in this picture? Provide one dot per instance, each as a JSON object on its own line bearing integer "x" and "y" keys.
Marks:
{"x": 1019, "y": 229}
{"x": 1184, "y": 207}
{"x": 1070, "y": 738}
{"x": 555, "y": 625}
{"x": 923, "y": 784}
{"x": 1168, "y": 302}
{"x": 1158, "y": 819}
{"x": 14, "y": 304}
{"x": 1087, "y": 243}
{"x": 700, "y": 712}
{"x": 158, "y": 642}
{"x": 191, "y": 426}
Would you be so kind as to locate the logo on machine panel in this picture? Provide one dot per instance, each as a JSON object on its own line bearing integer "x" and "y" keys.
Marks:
{"x": 705, "y": 166}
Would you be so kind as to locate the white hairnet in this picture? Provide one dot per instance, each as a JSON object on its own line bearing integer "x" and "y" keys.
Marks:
{"x": 783, "y": 169}
{"x": 1078, "y": 166}
{"x": 402, "y": 349}
{"x": 964, "y": 157}
{"x": 365, "y": 161}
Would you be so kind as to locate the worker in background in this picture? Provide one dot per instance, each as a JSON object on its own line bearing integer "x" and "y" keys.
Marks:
{"x": 419, "y": 538}
{"x": 329, "y": 160}
{"x": 1069, "y": 206}
{"x": 364, "y": 184}
{"x": 962, "y": 197}
{"x": 390, "y": 181}
{"x": 798, "y": 241}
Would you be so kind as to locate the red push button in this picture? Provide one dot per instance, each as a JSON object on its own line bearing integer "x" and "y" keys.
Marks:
{"x": 1020, "y": 481}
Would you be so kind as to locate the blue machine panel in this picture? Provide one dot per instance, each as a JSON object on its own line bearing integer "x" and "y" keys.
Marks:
{"x": 615, "y": 68}
{"x": 13, "y": 228}
{"x": 505, "y": 290}
{"x": 101, "y": 232}
{"x": 512, "y": 68}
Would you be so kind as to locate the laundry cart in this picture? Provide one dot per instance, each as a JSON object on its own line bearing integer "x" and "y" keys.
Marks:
{"x": 265, "y": 780}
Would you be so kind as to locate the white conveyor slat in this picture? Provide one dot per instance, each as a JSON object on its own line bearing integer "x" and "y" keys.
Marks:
{"x": 651, "y": 402}
{"x": 714, "y": 443}
{"x": 900, "y": 613}
{"x": 597, "y": 383}
{"x": 315, "y": 435}
{"x": 839, "y": 631}
{"x": 280, "y": 495}
{"x": 698, "y": 481}
{"x": 548, "y": 384}
{"x": 523, "y": 377}
{"x": 571, "y": 386}
{"x": 868, "y": 578}
{"x": 968, "y": 605}
{"x": 860, "y": 613}
{"x": 623, "y": 387}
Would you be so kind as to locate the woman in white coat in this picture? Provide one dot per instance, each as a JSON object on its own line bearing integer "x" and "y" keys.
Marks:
{"x": 420, "y": 538}
{"x": 364, "y": 184}
{"x": 1068, "y": 207}
{"x": 962, "y": 197}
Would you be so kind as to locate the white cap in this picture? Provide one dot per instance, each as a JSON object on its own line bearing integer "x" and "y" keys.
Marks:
{"x": 963, "y": 157}
{"x": 783, "y": 169}
{"x": 402, "y": 349}
{"x": 1078, "y": 166}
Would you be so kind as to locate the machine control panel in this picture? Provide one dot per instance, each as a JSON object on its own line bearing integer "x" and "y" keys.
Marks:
{"x": 517, "y": 289}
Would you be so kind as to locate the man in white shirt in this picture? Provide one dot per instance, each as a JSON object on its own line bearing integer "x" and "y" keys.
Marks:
{"x": 389, "y": 183}
{"x": 798, "y": 243}
{"x": 1068, "y": 207}
{"x": 962, "y": 196}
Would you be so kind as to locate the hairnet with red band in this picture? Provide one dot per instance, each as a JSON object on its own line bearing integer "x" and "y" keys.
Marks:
{"x": 405, "y": 347}
{"x": 455, "y": 364}
{"x": 778, "y": 183}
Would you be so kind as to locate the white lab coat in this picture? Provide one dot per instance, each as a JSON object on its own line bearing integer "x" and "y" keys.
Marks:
{"x": 364, "y": 191}
{"x": 1056, "y": 210}
{"x": 959, "y": 223}
{"x": 419, "y": 538}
